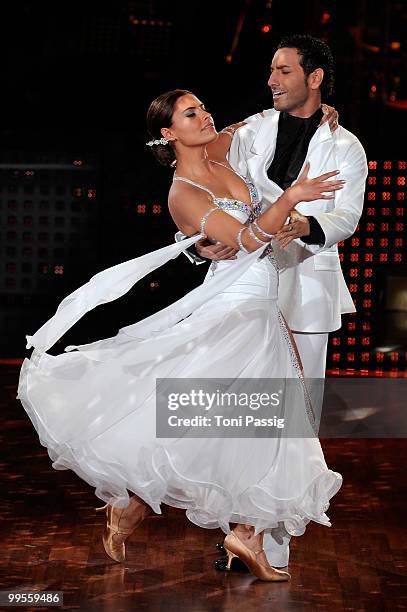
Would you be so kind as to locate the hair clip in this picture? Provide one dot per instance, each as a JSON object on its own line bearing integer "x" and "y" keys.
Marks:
{"x": 162, "y": 141}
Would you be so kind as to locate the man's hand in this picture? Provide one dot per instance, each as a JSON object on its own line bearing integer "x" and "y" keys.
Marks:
{"x": 331, "y": 115}
{"x": 297, "y": 227}
{"x": 215, "y": 252}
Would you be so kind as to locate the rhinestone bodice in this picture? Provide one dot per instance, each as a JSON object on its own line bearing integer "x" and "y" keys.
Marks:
{"x": 251, "y": 210}
{"x": 238, "y": 209}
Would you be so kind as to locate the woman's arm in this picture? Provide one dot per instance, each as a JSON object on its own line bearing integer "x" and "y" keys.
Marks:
{"x": 193, "y": 211}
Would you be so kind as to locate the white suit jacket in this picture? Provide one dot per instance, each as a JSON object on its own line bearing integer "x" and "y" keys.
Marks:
{"x": 312, "y": 292}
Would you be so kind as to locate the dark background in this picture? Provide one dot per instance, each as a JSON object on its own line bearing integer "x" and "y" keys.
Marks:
{"x": 77, "y": 79}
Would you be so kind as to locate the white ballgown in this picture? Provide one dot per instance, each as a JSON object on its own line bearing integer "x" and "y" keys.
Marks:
{"x": 94, "y": 406}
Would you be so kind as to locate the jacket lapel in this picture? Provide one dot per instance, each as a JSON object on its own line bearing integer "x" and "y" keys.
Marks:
{"x": 320, "y": 151}
{"x": 321, "y": 155}
{"x": 261, "y": 154}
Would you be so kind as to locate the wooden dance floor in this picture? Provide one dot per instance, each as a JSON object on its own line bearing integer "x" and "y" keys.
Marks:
{"x": 51, "y": 538}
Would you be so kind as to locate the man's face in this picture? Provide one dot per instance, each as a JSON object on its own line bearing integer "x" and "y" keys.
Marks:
{"x": 287, "y": 81}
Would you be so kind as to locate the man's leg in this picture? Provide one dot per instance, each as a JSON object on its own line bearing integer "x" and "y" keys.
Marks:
{"x": 312, "y": 349}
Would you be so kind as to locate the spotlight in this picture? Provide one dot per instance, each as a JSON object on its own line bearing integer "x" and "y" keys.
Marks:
{"x": 325, "y": 17}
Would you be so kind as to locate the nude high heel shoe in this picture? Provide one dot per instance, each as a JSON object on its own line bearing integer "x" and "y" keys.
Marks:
{"x": 235, "y": 548}
{"x": 117, "y": 551}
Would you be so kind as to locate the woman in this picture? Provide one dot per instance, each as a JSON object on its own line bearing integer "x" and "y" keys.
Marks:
{"x": 94, "y": 409}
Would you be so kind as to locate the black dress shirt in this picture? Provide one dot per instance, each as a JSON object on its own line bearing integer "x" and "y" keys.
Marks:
{"x": 293, "y": 138}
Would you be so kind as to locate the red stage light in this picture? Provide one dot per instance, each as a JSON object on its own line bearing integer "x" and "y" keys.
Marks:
{"x": 266, "y": 28}
{"x": 395, "y": 45}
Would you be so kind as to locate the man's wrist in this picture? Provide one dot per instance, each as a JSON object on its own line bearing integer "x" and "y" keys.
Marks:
{"x": 316, "y": 233}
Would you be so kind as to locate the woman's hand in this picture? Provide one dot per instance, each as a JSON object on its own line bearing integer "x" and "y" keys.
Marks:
{"x": 331, "y": 115}
{"x": 218, "y": 149}
{"x": 307, "y": 190}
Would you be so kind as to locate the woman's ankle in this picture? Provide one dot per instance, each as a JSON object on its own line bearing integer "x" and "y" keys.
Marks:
{"x": 245, "y": 533}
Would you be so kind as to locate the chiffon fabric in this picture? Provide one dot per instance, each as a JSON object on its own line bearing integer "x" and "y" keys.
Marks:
{"x": 93, "y": 406}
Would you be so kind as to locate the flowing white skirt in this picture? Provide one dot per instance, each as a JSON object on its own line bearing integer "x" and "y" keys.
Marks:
{"x": 94, "y": 407}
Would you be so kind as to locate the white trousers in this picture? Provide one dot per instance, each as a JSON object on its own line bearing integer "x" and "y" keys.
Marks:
{"x": 312, "y": 349}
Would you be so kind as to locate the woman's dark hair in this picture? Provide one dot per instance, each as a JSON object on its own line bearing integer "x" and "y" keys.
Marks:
{"x": 159, "y": 115}
{"x": 314, "y": 54}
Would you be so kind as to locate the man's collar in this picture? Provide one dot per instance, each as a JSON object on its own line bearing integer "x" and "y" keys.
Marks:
{"x": 266, "y": 136}
{"x": 314, "y": 118}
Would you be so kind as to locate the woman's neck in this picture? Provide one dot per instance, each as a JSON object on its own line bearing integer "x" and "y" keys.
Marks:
{"x": 193, "y": 162}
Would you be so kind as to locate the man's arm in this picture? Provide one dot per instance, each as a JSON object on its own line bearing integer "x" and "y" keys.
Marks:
{"x": 326, "y": 229}
{"x": 341, "y": 222}
{"x": 238, "y": 151}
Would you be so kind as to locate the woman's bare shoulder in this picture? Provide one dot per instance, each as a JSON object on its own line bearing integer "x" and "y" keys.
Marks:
{"x": 182, "y": 194}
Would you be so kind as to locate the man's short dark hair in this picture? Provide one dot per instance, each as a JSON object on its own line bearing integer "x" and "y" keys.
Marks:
{"x": 314, "y": 54}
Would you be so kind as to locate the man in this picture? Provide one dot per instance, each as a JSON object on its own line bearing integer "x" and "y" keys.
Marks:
{"x": 272, "y": 148}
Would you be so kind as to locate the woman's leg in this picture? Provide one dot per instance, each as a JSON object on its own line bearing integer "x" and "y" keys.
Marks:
{"x": 120, "y": 524}
{"x": 245, "y": 533}
{"x": 130, "y": 517}
{"x": 248, "y": 547}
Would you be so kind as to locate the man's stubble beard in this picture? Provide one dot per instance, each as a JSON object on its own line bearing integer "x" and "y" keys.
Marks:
{"x": 298, "y": 104}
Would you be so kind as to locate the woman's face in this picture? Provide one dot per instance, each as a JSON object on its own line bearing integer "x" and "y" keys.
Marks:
{"x": 192, "y": 124}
